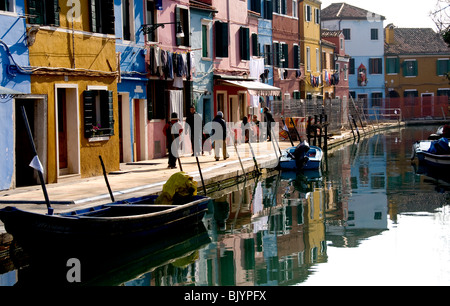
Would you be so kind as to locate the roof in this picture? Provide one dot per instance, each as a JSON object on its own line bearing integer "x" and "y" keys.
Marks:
{"x": 346, "y": 11}
{"x": 416, "y": 41}
{"x": 256, "y": 88}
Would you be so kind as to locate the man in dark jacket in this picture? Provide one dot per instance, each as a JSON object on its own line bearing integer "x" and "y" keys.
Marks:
{"x": 219, "y": 127}
{"x": 269, "y": 121}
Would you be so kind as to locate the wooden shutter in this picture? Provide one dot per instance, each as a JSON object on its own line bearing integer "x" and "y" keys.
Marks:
{"x": 179, "y": 40}
{"x": 35, "y": 10}
{"x": 107, "y": 111}
{"x": 296, "y": 56}
{"x": 54, "y": 14}
{"x": 93, "y": 13}
{"x": 255, "y": 48}
{"x": 244, "y": 35}
{"x": 221, "y": 43}
{"x": 88, "y": 112}
{"x": 108, "y": 19}
{"x": 276, "y": 54}
{"x": 285, "y": 54}
{"x": 268, "y": 9}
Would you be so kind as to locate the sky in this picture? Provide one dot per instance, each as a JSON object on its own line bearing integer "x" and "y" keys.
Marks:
{"x": 402, "y": 13}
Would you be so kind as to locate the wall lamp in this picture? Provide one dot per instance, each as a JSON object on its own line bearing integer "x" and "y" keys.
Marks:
{"x": 150, "y": 28}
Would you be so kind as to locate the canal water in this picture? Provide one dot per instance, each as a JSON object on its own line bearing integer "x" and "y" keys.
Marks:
{"x": 369, "y": 217}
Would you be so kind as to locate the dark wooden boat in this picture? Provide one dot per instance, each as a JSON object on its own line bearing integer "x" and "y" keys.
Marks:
{"x": 120, "y": 221}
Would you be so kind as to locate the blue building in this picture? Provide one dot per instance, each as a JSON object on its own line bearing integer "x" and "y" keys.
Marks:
{"x": 201, "y": 18}
{"x": 364, "y": 42}
{"x": 132, "y": 85}
{"x": 265, "y": 40}
{"x": 14, "y": 60}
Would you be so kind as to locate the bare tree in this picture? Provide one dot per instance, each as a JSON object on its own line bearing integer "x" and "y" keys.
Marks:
{"x": 441, "y": 15}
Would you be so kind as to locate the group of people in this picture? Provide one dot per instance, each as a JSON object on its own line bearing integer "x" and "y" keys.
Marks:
{"x": 173, "y": 129}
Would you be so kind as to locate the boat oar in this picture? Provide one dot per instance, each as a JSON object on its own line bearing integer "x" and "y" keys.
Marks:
{"x": 201, "y": 175}
{"x": 36, "y": 162}
{"x": 106, "y": 179}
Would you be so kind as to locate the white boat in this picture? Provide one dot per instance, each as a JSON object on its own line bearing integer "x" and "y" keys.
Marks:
{"x": 301, "y": 157}
{"x": 432, "y": 152}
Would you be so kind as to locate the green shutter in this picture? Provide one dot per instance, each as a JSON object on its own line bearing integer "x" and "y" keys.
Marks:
{"x": 107, "y": 110}
{"x": 276, "y": 54}
{"x": 221, "y": 39}
{"x": 178, "y": 20}
{"x": 93, "y": 12}
{"x": 416, "y": 68}
{"x": 109, "y": 18}
{"x": 54, "y": 14}
{"x": 35, "y": 12}
{"x": 204, "y": 41}
{"x": 244, "y": 43}
{"x": 296, "y": 56}
{"x": 88, "y": 112}
{"x": 285, "y": 50}
{"x": 255, "y": 49}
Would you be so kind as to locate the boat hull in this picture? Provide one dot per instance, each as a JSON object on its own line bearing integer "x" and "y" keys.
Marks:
{"x": 424, "y": 157}
{"x": 118, "y": 222}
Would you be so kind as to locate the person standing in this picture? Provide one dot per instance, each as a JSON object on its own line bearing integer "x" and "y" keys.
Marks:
{"x": 172, "y": 130}
{"x": 219, "y": 134}
{"x": 269, "y": 121}
{"x": 256, "y": 124}
{"x": 195, "y": 123}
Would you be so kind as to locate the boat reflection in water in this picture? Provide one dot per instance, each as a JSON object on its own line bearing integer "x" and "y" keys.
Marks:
{"x": 113, "y": 265}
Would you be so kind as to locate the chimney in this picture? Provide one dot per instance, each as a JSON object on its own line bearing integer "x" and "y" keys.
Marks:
{"x": 390, "y": 34}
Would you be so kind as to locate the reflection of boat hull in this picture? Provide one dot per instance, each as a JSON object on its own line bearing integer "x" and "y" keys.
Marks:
{"x": 420, "y": 150}
{"x": 314, "y": 155}
{"x": 113, "y": 264}
{"x": 310, "y": 175}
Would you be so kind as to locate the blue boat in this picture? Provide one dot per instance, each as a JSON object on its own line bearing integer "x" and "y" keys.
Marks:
{"x": 435, "y": 153}
{"x": 120, "y": 221}
{"x": 301, "y": 157}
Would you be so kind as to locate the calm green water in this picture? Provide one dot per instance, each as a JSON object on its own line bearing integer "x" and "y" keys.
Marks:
{"x": 369, "y": 218}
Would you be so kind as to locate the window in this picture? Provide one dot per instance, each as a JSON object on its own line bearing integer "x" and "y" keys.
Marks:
{"x": 206, "y": 45}
{"x": 151, "y": 19}
{"x": 182, "y": 16}
{"x": 410, "y": 68}
{"x": 345, "y": 72}
{"x": 341, "y": 43}
{"x": 392, "y": 65}
{"x": 255, "y": 45}
{"x": 98, "y": 112}
{"x": 221, "y": 39}
{"x": 280, "y": 6}
{"x": 410, "y": 93}
{"x": 44, "y": 12}
{"x": 7, "y": 5}
{"x": 308, "y": 59}
{"x": 102, "y": 16}
{"x": 316, "y": 16}
{"x": 296, "y": 56}
{"x": 375, "y": 66}
{"x": 255, "y": 5}
{"x": 268, "y": 9}
{"x": 347, "y": 34}
{"x": 276, "y": 54}
{"x": 294, "y": 8}
{"x": 377, "y": 99}
{"x": 317, "y": 60}
{"x": 285, "y": 55}
{"x": 352, "y": 66}
{"x": 244, "y": 43}
{"x": 374, "y": 34}
{"x": 221, "y": 102}
{"x": 443, "y": 66}
{"x": 128, "y": 19}
{"x": 308, "y": 13}
{"x": 296, "y": 95}
{"x": 157, "y": 101}
{"x": 267, "y": 55}
{"x": 324, "y": 60}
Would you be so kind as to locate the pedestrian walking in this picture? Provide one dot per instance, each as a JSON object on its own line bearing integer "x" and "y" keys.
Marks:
{"x": 172, "y": 130}
{"x": 245, "y": 127}
{"x": 195, "y": 128}
{"x": 269, "y": 120}
{"x": 256, "y": 125}
{"x": 219, "y": 135}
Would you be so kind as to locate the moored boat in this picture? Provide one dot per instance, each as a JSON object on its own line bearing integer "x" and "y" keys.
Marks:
{"x": 119, "y": 221}
{"x": 301, "y": 157}
{"x": 432, "y": 152}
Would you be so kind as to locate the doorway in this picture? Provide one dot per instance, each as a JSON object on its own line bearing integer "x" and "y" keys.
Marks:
{"x": 36, "y": 111}
{"x": 67, "y": 130}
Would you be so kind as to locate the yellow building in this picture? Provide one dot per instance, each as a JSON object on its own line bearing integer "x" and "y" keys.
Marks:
{"x": 328, "y": 68}
{"x": 74, "y": 78}
{"x": 309, "y": 29}
{"x": 415, "y": 73}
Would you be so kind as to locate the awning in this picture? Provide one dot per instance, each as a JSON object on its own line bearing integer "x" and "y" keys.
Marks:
{"x": 8, "y": 92}
{"x": 256, "y": 88}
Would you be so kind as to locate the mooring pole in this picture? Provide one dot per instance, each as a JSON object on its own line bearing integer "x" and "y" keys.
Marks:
{"x": 106, "y": 179}
{"x": 33, "y": 147}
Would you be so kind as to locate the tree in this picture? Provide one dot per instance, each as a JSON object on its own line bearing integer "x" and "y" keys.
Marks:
{"x": 441, "y": 17}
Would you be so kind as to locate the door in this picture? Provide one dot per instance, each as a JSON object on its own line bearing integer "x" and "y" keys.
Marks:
{"x": 25, "y": 175}
{"x": 62, "y": 130}
{"x": 427, "y": 105}
{"x": 234, "y": 109}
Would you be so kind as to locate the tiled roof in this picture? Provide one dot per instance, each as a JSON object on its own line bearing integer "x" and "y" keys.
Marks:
{"x": 345, "y": 11}
{"x": 416, "y": 41}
